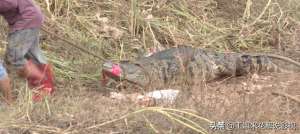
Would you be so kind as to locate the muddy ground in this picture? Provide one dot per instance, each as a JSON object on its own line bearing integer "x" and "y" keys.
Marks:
{"x": 75, "y": 108}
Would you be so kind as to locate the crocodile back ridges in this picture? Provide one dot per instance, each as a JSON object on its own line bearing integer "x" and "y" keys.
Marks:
{"x": 209, "y": 65}
{"x": 197, "y": 63}
{"x": 180, "y": 51}
{"x": 161, "y": 70}
{"x": 193, "y": 64}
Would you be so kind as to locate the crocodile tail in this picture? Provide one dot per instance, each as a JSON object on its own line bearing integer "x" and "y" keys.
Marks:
{"x": 255, "y": 64}
{"x": 263, "y": 64}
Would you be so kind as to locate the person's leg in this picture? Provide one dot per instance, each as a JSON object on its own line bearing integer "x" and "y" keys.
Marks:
{"x": 30, "y": 70}
{"x": 36, "y": 56}
{"x": 5, "y": 85}
{"x": 21, "y": 44}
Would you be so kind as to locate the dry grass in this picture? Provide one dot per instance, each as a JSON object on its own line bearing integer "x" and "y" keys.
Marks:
{"x": 123, "y": 30}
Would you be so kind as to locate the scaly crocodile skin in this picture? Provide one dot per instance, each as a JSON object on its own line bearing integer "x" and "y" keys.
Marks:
{"x": 170, "y": 65}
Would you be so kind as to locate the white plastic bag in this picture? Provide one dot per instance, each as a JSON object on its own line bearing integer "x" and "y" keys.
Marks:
{"x": 163, "y": 96}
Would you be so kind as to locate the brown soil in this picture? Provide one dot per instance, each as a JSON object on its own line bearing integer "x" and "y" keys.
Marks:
{"x": 255, "y": 98}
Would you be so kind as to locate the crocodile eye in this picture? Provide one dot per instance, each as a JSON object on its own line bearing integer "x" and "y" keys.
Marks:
{"x": 124, "y": 62}
{"x": 259, "y": 61}
{"x": 193, "y": 59}
{"x": 246, "y": 59}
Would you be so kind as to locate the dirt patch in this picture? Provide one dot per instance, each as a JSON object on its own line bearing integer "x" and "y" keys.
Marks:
{"x": 255, "y": 98}
{"x": 251, "y": 99}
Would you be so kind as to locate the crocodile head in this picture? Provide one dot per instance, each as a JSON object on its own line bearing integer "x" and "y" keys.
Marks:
{"x": 125, "y": 71}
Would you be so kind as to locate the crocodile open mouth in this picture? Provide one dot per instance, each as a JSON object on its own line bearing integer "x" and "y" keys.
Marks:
{"x": 124, "y": 71}
{"x": 111, "y": 70}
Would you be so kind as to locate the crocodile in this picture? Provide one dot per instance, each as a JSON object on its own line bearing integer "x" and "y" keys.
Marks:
{"x": 173, "y": 64}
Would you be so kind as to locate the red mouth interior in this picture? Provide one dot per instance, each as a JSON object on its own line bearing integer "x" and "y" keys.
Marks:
{"x": 114, "y": 72}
